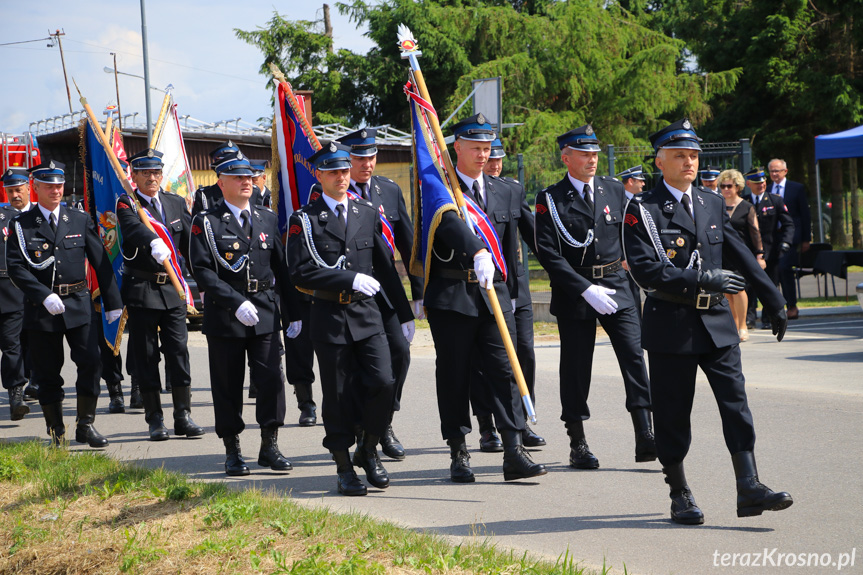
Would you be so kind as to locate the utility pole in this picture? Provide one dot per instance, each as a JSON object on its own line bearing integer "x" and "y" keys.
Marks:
{"x": 117, "y": 87}
{"x": 146, "y": 74}
{"x": 56, "y": 35}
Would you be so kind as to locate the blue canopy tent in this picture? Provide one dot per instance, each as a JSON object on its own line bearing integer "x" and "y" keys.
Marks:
{"x": 847, "y": 144}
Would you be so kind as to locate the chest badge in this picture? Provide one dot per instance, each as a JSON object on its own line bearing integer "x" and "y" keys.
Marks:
{"x": 680, "y": 242}
{"x": 668, "y": 207}
{"x": 607, "y": 212}
{"x": 38, "y": 254}
{"x": 44, "y": 246}
{"x": 65, "y": 218}
{"x": 229, "y": 256}
{"x": 672, "y": 253}
{"x": 236, "y": 245}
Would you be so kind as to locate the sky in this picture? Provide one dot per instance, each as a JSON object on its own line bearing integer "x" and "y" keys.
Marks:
{"x": 191, "y": 45}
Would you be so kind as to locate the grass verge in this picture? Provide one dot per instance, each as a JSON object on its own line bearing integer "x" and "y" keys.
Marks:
{"x": 67, "y": 512}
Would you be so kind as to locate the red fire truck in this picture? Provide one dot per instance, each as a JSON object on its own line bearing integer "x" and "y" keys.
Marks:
{"x": 18, "y": 150}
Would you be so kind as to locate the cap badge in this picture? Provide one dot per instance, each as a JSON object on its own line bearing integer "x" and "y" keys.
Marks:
{"x": 240, "y": 156}
{"x": 333, "y": 147}
{"x": 150, "y": 153}
{"x": 588, "y": 131}
{"x": 480, "y": 119}
{"x": 51, "y": 164}
{"x": 230, "y": 144}
{"x": 364, "y": 134}
{"x": 687, "y": 125}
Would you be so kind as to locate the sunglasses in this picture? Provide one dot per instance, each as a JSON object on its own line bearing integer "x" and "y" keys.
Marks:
{"x": 727, "y": 186}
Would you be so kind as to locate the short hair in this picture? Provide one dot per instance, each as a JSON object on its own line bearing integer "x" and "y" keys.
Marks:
{"x": 780, "y": 160}
{"x": 736, "y": 178}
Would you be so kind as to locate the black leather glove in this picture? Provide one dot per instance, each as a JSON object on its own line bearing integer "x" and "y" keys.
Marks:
{"x": 784, "y": 248}
{"x": 779, "y": 322}
{"x": 719, "y": 280}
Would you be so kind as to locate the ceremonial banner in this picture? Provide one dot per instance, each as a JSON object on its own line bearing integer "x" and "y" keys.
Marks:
{"x": 102, "y": 188}
{"x": 176, "y": 175}
{"x": 295, "y": 141}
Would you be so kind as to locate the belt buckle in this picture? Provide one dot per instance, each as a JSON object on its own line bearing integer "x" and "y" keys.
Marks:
{"x": 703, "y": 301}
{"x": 345, "y": 298}
{"x": 597, "y": 272}
{"x": 471, "y": 277}
{"x": 161, "y": 278}
{"x": 252, "y": 286}
{"x": 63, "y": 289}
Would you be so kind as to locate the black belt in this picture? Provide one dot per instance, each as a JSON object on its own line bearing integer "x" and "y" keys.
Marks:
{"x": 597, "y": 272}
{"x": 4, "y": 273}
{"x": 343, "y": 297}
{"x": 160, "y": 278}
{"x": 467, "y": 275}
{"x": 701, "y": 301}
{"x": 252, "y": 286}
{"x": 66, "y": 289}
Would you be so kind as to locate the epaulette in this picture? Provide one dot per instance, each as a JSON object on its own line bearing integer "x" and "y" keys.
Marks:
{"x": 264, "y": 208}
{"x": 637, "y": 198}
{"x": 386, "y": 179}
{"x": 170, "y": 193}
{"x": 615, "y": 179}
{"x": 644, "y": 195}
{"x": 708, "y": 191}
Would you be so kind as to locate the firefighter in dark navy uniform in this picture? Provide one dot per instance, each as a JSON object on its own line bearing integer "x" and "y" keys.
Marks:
{"x": 208, "y": 197}
{"x": 337, "y": 251}
{"x": 156, "y": 312}
{"x": 239, "y": 262}
{"x": 578, "y": 223}
{"x": 633, "y": 183}
{"x": 16, "y": 183}
{"x": 676, "y": 237}
{"x": 384, "y": 194}
{"x": 460, "y": 316}
{"x": 45, "y": 255}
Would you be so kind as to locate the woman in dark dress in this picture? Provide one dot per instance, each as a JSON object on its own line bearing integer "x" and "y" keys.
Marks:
{"x": 745, "y": 222}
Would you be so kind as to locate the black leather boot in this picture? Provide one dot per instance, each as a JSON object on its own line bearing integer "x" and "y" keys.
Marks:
{"x": 348, "y": 482}
{"x": 516, "y": 462}
{"x": 391, "y": 446}
{"x": 366, "y": 456}
{"x": 31, "y": 392}
{"x": 753, "y": 497}
{"x": 183, "y": 424}
{"x": 269, "y": 455}
{"x": 580, "y": 456}
{"x": 153, "y": 415}
{"x": 683, "y": 507}
{"x": 136, "y": 400}
{"x": 17, "y": 408}
{"x": 489, "y": 441}
{"x": 459, "y": 469}
{"x": 84, "y": 430}
{"x": 53, "y": 413}
{"x": 645, "y": 444}
{"x": 531, "y": 439}
{"x": 115, "y": 392}
{"x": 234, "y": 463}
{"x": 306, "y": 403}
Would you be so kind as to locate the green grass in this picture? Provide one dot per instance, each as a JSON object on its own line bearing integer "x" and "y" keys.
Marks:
{"x": 84, "y": 512}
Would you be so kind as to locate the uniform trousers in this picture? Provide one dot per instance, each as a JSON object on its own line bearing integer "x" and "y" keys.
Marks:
{"x": 577, "y": 341}
{"x": 480, "y": 390}
{"x": 457, "y": 339}
{"x": 146, "y": 327}
{"x": 112, "y": 365}
{"x": 672, "y": 384}
{"x": 47, "y": 357}
{"x": 787, "y": 279}
{"x": 636, "y": 294}
{"x": 344, "y": 367}
{"x": 773, "y": 272}
{"x": 400, "y": 352}
{"x": 12, "y": 363}
{"x": 227, "y": 359}
{"x": 300, "y": 353}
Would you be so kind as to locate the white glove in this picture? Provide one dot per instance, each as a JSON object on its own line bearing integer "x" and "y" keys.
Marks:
{"x": 159, "y": 250}
{"x": 484, "y": 268}
{"x": 294, "y": 329}
{"x": 512, "y": 301}
{"x": 113, "y": 315}
{"x": 408, "y": 329}
{"x": 247, "y": 314}
{"x": 418, "y": 309}
{"x": 597, "y": 297}
{"x": 54, "y": 304}
{"x": 366, "y": 284}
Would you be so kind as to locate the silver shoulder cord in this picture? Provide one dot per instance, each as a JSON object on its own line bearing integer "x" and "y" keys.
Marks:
{"x": 313, "y": 252}
{"x": 561, "y": 230}
{"x": 211, "y": 241}
{"x": 23, "y": 246}
{"x": 134, "y": 207}
{"x": 694, "y": 259}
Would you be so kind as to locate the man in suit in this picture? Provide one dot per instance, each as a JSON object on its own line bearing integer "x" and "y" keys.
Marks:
{"x": 16, "y": 184}
{"x": 386, "y": 196}
{"x": 633, "y": 184}
{"x": 238, "y": 259}
{"x": 777, "y": 232}
{"x": 460, "y": 273}
{"x": 796, "y": 199}
{"x": 156, "y": 311}
{"x": 45, "y": 255}
{"x": 677, "y": 236}
{"x": 337, "y": 252}
{"x": 480, "y": 391}
{"x": 578, "y": 224}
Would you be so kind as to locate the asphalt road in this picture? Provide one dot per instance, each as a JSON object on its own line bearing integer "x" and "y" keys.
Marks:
{"x": 806, "y": 395}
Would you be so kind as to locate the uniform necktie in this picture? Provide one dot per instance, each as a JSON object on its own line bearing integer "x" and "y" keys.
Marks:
{"x": 587, "y": 199}
{"x": 246, "y": 222}
{"x": 52, "y": 222}
{"x": 687, "y": 205}
{"x": 364, "y": 190}
{"x": 477, "y": 194}
{"x": 755, "y": 200}
{"x": 157, "y": 209}
{"x": 340, "y": 216}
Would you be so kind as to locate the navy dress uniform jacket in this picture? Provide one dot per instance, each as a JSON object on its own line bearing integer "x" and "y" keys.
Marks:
{"x": 210, "y": 197}
{"x": 11, "y": 298}
{"x": 670, "y": 327}
{"x": 364, "y": 252}
{"x": 74, "y": 243}
{"x": 559, "y": 258}
{"x": 137, "y": 256}
{"x": 526, "y": 224}
{"x": 775, "y": 224}
{"x": 226, "y": 290}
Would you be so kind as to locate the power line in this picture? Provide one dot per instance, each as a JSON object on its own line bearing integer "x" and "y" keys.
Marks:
{"x": 26, "y": 41}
